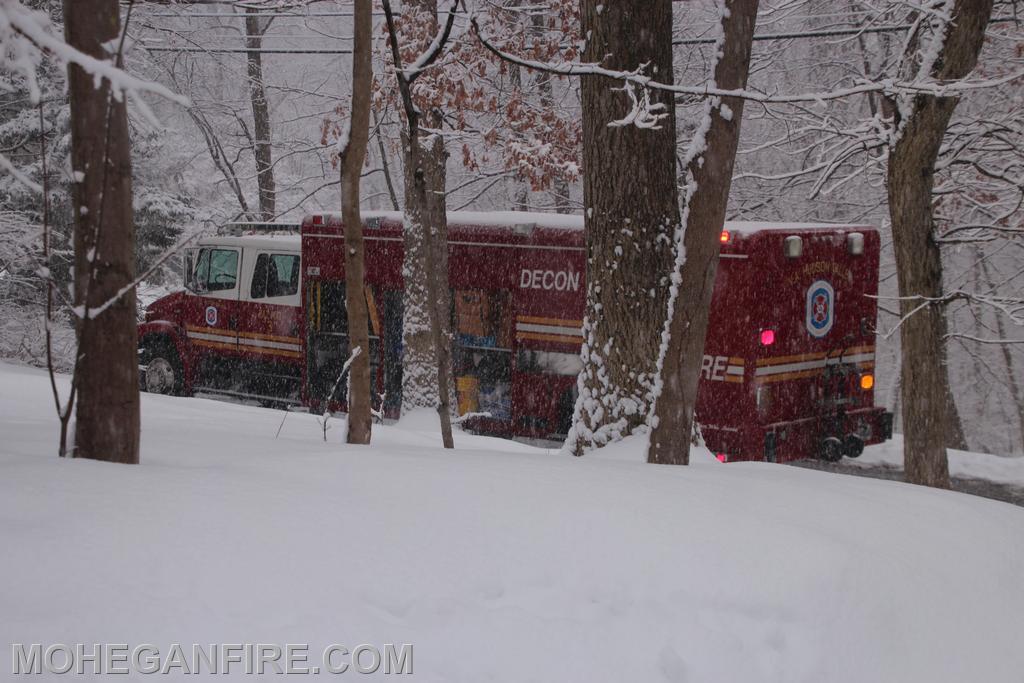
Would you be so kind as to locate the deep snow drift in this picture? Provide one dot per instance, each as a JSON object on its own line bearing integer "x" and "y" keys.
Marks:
{"x": 497, "y": 561}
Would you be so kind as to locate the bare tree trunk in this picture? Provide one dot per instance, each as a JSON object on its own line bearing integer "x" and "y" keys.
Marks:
{"x": 385, "y": 166}
{"x": 1011, "y": 377}
{"x": 521, "y": 199}
{"x": 220, "y": 158}
{"x": 955, "y": 437}
{"x": 545, "y": 83}
{"x": 106, "y": 366}
{"x": 710, "y": 175}
{"x": 360, "y": 418}
{"x": 426, "y": 336}
{"x": 262, "y": 149}
{"x": 631, "y": 214}
{"x": 911, "y": 178}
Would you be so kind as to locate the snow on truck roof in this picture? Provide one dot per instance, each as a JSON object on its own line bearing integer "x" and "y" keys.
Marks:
{"x": 292, "y": 242}
{"x": 751, "y": 227}
{"x": 496, "y": 218}
{"x": 575, "y": 221}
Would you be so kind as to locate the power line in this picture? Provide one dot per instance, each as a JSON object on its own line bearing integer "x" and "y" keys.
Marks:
{"x": 240, "y": 15}
{"x": 242, "y": 50}
{"x": 817, "y": 34}
{"x": 241, "y": 36}
{"x": 265, "y": 36}
{"x": 683, "y": 41}
{"x": 802, "y": 34}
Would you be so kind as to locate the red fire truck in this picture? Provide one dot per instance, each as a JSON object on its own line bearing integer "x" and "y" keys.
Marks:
{"x": 787, "y": 371}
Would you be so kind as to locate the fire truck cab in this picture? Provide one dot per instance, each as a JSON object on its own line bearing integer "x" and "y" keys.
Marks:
{"x": 236, "y": 326}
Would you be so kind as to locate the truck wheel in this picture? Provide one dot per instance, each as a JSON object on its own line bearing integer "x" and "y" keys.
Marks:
{"x": 163, "y": 372}
{"x": 853, "y": 445}
{"x": 831, "y": 450}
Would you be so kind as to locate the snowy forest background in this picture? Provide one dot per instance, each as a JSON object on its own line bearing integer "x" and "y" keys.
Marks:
{"x": 514, "y": 141}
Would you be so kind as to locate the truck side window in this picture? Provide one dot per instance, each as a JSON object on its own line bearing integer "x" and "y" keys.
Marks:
{"x": 283, "y": 275}
{"x": 275, "y": 275}
{"x": 217, "y": 270}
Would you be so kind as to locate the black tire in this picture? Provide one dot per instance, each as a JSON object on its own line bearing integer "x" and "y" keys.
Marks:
{"x": 831, "y": 450}
{"x": 853, "y": 445}
{"x": 164, "y": 374}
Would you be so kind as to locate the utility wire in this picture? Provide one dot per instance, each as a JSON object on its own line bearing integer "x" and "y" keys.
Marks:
{"x": 817, "y": 34}
{"x": 258, "y": 15}
{"x": 244, "y": 50}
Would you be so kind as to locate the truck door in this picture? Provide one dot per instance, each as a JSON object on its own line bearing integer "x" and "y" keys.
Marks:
{"x": 269, "y": 308}
{"x": 327, "y": 340}
{"x": 211, "y": 309}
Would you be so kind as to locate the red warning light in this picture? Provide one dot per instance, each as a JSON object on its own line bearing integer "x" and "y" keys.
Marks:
{"x": 767, "y": 337}
{"x": 724, "y": 237}
{"x": 722, "y": 457}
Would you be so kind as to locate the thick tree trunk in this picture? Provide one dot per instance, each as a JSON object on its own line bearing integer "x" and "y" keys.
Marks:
{"x": 107, "y": 375}
{"x": 360, "y": 418}
{"x": 911, "y": 177}
{"x": 710, "y": 174}
{"x": 919, "y": 272}
{"x": 426, "y": 378}
{"x": 262, "y": 148}
{"x": 426, "y": 335}
{"x": 631, "y": 214}
{"x": 419, "y": 354}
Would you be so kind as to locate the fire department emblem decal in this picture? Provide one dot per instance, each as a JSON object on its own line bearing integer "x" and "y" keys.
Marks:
{"x": 820, "y": 308}
{"x": 211, "y": 315}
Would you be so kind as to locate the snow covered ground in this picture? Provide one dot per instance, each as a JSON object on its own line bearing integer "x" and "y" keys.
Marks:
{"x": 499, "y": 561}
{"x": 1008, "y": 469}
